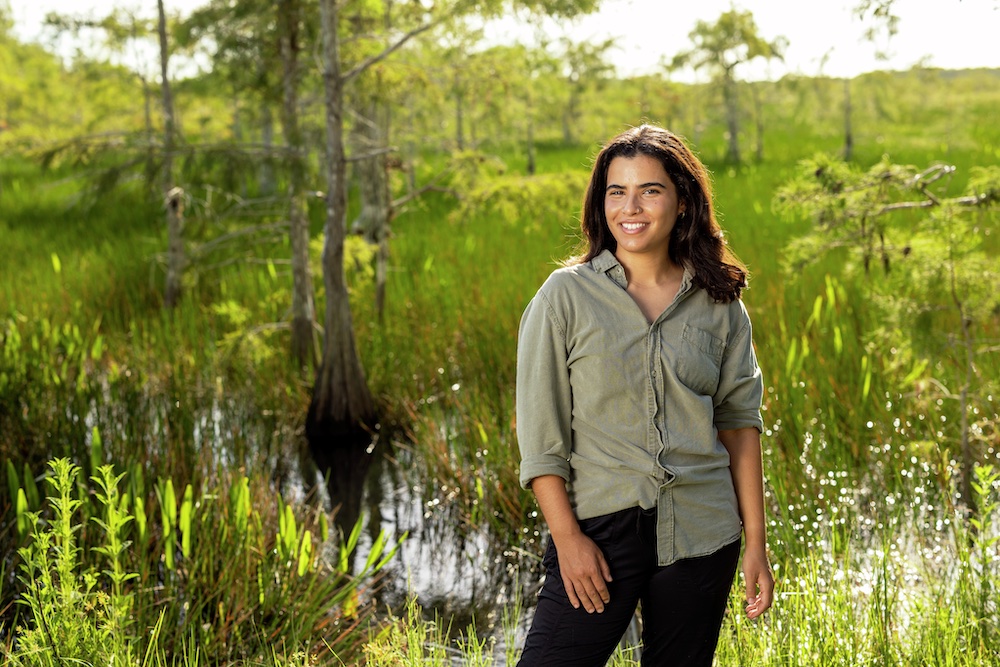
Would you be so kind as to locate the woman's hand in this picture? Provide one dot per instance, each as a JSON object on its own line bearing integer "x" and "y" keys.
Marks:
{"x": 585, "y": 572}
{"x": 759, "y": 582}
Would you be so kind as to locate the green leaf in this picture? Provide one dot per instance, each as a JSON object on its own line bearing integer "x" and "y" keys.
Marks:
{"x": 31, "y": 488}
{"x": 13, "y": 483}
{"x": 97, "y": 348}
{"x": 96, "y": 450}
{"x": 305, "y": 553}
{"x": 22, "y": 513}
{"x": 187, "y": 506}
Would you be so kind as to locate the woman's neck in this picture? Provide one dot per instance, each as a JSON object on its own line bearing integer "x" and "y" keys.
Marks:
{"x": 650, "y": 270}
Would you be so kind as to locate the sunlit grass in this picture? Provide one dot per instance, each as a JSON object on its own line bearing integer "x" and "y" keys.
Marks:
{"x": 871, "y": 550}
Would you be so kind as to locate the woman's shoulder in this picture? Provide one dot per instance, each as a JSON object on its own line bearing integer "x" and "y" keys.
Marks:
{"x": 565, "y": 279}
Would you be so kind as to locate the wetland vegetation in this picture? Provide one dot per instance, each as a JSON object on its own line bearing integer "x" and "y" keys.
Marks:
{"x": 161, "y": 504}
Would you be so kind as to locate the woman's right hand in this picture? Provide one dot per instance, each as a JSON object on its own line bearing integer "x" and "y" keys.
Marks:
{"x": 585, "y": 572}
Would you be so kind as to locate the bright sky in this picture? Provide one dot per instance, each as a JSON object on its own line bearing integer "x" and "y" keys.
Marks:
{"x": 952, "y": 34}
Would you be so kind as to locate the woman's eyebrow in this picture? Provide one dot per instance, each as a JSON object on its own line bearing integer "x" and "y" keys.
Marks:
{"x": 615, "y": 186}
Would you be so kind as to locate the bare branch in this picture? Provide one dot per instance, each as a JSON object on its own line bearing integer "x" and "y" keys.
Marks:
{"x": 368, "y": 62}
{"x": 370, "y": 154}
{"x": 430, "y": 187}
{"x": 209, "y": 246}
{"x": 971, "y": 200}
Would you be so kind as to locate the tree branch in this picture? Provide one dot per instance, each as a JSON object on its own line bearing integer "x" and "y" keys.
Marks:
{"x": 370, "y": 154}
{"x": 970, "y": 200}
{"x": 389, "y": 50}
{"x": 209, "y": 246}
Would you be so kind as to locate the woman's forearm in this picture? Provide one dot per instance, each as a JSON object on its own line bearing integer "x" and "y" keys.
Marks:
{"x": 743, "y": 446}
{"x": 553, "y": 500}
{"x": 744, "y": 450}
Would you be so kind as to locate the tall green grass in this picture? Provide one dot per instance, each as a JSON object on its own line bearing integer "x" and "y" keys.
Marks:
{"x": 859, "y": 444}
{"x": 107, "y": 579}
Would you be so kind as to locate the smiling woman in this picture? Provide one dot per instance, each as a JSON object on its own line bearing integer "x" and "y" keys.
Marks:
{"x": 638, "y": 419}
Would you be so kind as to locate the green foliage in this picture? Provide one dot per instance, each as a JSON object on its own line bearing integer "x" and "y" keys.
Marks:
{"x": 857, "y": 422}
{"x": 536, "y": 201}
{"x": 732, "y": 39}
{"x": 936, "y": 287}
{"x": 89, "y": 597}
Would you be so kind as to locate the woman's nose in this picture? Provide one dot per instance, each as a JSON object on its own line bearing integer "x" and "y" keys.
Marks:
{"x": 632, "y": 204}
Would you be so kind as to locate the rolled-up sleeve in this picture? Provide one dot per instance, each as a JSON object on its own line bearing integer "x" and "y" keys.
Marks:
{"x": 741, "y": 386}
{"x": 543, "y": 395}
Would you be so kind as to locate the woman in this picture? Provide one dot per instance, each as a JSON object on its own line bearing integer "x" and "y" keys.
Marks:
{"x": 638, "y": 419}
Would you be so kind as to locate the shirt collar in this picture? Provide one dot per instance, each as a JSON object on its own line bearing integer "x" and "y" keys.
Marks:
{"x": 606, "y": 262}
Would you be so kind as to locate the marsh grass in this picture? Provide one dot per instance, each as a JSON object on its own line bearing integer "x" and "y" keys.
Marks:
{"x": 879, "y": 595}
{"x": 107, "y": 580}
{"x": 860, "y": 438}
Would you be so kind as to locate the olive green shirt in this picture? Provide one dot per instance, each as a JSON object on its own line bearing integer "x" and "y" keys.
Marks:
{"x": 628, "y": 412}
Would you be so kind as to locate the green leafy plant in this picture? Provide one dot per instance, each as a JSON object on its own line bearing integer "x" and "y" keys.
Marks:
{"x": 936, "y": 284}
{"x": 226, "y": 590}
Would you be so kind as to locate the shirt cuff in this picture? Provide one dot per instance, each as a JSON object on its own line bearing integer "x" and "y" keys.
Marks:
{"x": 734, "y": 419}
{"x": 538, "y": 466}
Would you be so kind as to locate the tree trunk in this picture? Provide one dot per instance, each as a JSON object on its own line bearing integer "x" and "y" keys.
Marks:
{"x": 239, "y": 174}
{"x": 732, "y": 117}
{"x": 341, "y": 415}
{"x": 173, "y": 195}
{"x": 758, "y": 109}
{"x": 265, "y": 172}
{"x": 569, "y": 116}
{"x": 848, "y": 132}
{"x": 303, "y": 316}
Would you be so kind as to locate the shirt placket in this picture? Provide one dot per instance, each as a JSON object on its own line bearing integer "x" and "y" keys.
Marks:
{"x": 665, "y": 525}
{"x": 659, "y": 439}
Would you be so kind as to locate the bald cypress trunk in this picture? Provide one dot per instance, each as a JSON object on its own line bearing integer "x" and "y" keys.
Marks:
{"x": 370, "y": 139}
{"x": 303, "y": 316}
{"x": 732, "y": 117}
{"x": 341, "y": 402}
{"x": 173, "y": 195}
{"x": 848, "y": 132}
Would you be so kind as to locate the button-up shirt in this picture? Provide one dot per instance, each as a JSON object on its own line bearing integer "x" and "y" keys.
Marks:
{"x": 628, "y": 412}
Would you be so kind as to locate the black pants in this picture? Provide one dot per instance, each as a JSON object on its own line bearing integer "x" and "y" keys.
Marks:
{"x": 682, "y": 604}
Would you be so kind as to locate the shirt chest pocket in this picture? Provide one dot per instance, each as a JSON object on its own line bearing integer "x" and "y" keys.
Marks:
{"x": 699, "y": 361}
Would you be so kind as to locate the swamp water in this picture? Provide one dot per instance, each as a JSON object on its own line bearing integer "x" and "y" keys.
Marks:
{"x": 458, "y": 576}
{"x": 844, "y": 539}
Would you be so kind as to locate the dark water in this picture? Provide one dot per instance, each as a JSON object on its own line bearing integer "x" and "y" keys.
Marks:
{"x": 459, "y": 576}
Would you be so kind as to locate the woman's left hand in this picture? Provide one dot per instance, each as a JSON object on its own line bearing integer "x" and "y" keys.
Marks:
{"x": 759, "y": 582}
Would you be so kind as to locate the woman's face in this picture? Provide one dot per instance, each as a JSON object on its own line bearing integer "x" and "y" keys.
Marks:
{"x": 640, "y": 205}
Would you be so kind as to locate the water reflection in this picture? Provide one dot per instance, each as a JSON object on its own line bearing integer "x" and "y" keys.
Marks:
{"x": 457, "y": 574}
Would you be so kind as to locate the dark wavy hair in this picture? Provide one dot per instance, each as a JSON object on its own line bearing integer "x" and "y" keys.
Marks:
{"x": 697, "y": 241}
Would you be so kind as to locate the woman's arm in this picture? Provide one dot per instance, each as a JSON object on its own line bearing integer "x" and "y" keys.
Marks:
{"x": 743, "y": 445}
{"x": 584, "y": 570}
